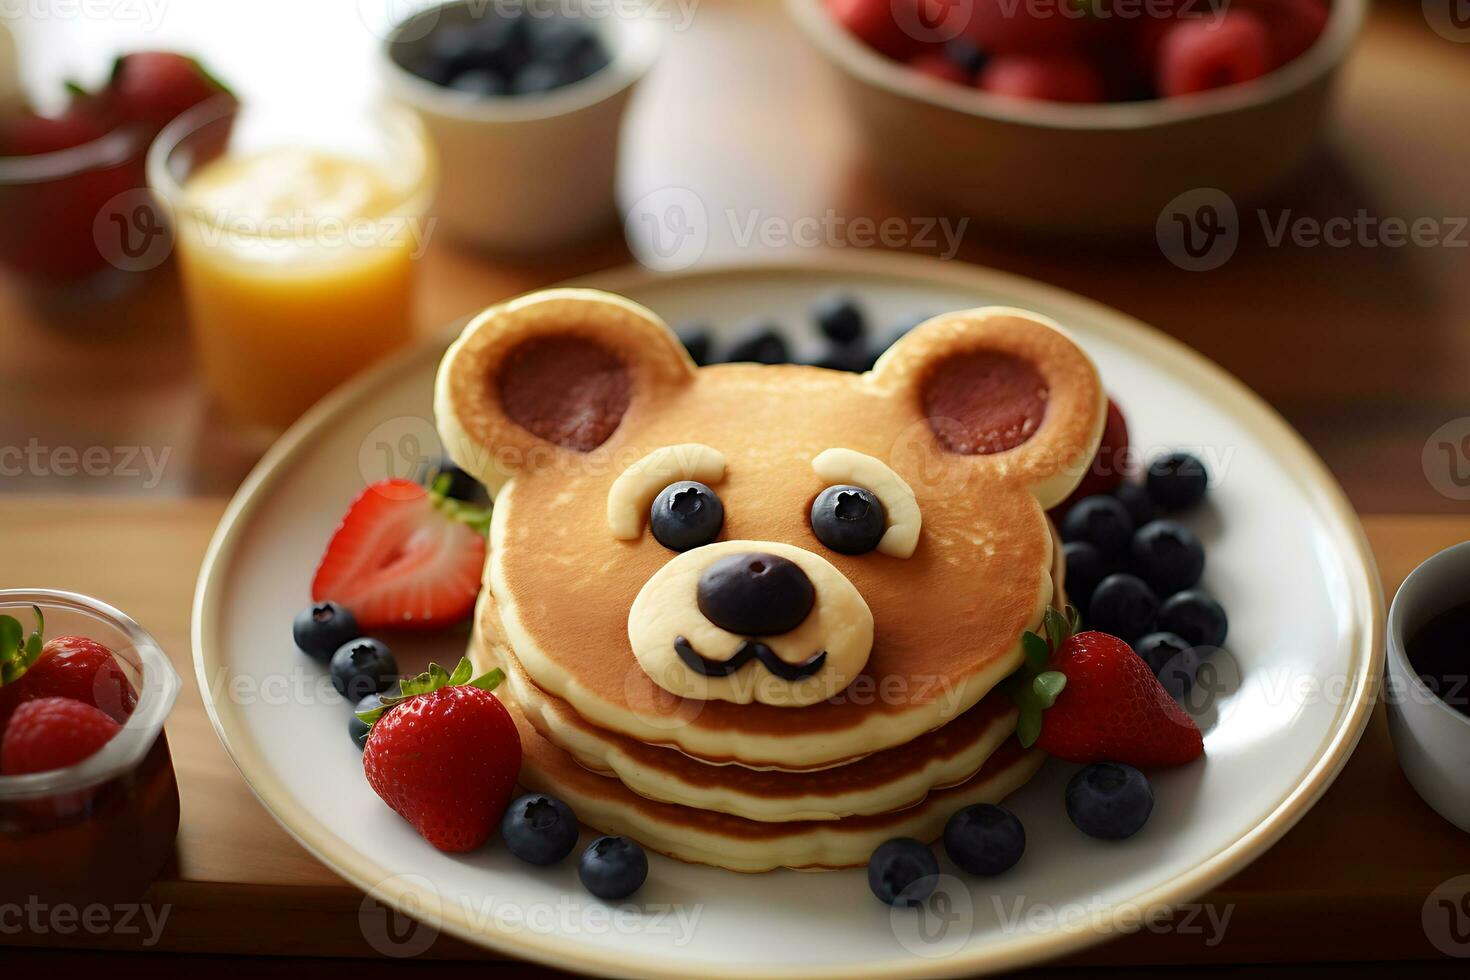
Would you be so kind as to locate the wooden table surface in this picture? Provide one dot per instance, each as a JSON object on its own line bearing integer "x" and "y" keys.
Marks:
{"x": 1366, "y": 349}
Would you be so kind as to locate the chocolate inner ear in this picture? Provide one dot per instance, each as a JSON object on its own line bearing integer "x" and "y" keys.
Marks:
{"x": 984, "y": 402}
{"x": 567, "y": 390}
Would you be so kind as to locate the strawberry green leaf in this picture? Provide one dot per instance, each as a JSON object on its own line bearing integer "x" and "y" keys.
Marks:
{"x": 489, "y": 680}
{"x": 1074, "y": 620}
{"x": 431, "y": 680}
{"x": 10, "y": 638}
{"x": 468, "y": 514}
{"x": 1028, "y": 728}
{"x": 462, "y": 672}
{"x": 1036, "y": 651}
{"x": 1047, "y": 685}
{"x": 1056, "y": 628}
{"x": 370, "y": 718}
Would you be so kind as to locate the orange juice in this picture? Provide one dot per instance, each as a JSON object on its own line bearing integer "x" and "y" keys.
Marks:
{"x": 298, "y": 271}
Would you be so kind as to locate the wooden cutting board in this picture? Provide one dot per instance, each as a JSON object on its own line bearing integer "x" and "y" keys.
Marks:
{"x": 1350, "y": 882}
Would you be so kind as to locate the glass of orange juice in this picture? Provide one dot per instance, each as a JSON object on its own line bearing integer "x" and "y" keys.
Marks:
{"x": 297, "y": 233}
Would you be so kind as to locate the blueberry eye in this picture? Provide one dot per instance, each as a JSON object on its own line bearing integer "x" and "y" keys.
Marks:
{"x": 686, "y": 515}
{"x": 849, "y": 520}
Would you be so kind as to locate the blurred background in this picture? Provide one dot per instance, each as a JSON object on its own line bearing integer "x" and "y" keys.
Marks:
{"x": 750, "y": 110}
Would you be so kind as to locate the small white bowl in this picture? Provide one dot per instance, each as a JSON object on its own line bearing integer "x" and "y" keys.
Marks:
{"x": 523, "y": 172}
{"x": 1431, "y": 738}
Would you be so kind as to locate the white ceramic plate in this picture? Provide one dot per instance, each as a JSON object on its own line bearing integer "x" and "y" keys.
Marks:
{"x": 1286, "y": 557}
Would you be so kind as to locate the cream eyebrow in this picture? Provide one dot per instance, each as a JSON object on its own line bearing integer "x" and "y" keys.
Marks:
{"x": 632, "y": 493}
{"x": 838, "y": 466}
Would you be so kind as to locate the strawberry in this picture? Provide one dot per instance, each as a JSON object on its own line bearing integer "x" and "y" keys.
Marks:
{"x": 1199, "y": 55}
{"x": 1102, "y": 703}
{"x": 404, "y": 557}
{"x": 73, "y": 667}
{"x": 445, "y": 755}
{"x": 1292, "y": 26}
{"x": 30, "y": 134}
{"x": 1051, "y": 77}
{"x": 154, "y": 87}
{"x": 53, "y": 733}
{"x": 876, "y": 23}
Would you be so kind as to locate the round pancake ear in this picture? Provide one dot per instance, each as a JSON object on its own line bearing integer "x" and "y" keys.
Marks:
{"x": 550, "y": 373}
{"x": 1003, "y": 391}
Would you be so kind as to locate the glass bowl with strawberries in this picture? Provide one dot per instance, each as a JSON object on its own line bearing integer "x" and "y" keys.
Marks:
{"x": 79, "y": 219}
{"x": 89, "y": 805}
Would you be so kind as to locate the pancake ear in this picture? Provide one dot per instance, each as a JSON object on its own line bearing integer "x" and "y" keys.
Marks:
{"x": 1002, "y": 391}
{"x": 553, "y": 372}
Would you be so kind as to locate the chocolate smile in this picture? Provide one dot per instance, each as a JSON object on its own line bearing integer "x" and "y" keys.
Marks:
{"x": 749, "y": 650}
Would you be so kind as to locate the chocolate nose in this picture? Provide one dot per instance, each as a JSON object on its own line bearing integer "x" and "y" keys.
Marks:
{"x": 755, "y": 594}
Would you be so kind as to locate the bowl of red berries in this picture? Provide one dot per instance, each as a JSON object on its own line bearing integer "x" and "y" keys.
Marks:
{"x": 89, "y": 804}
{"x": 72, "y": 182}
{"x": 1083, "y": 116}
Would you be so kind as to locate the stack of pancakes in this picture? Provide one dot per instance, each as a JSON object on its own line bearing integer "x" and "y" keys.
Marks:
{"x": 975, "y": 423}
{"x": 756, "y": 817}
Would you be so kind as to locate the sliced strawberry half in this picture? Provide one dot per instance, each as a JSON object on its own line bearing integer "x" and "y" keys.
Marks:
{"x": 404, "y": 557}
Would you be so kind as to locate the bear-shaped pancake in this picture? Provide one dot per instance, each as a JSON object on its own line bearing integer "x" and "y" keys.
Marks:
{"x": 848, "y": 561}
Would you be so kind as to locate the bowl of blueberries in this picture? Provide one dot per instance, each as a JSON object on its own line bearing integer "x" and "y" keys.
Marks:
{"x": 524, "y": 103}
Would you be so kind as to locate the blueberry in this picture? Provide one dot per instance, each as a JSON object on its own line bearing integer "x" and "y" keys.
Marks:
{"x": 1195, "y": 616}
{"x": 839, "y": 318}
{"x": 686, "y": 515}
{"x": 1122, "y": 605}
{"x": 1101, "y": 521}
{"x": 453, "y": 48}
{"x": 1176, "y": 481}
{"x": 759, "y": 342}
{"x": 984, "y": 839}
{"x": 849, "y": 520}
{"x": 1085, "y": 567}
{"x": 902, "y": 871}
{"x": 696, "y": 340}
{"x": 461, "y": 485}
{"x": 502, "y": 44}
{"x": 1135, "y": 501}
{"x": 361, "y": 667}
{"x": 1168, "y": 556}
{"x": 588, "y": 60}
{"x": 612, "y": 867}
{"x": 966, "y": 54}
{"x": 538, "y": 78}
{"x": 1171, "y": 658}
{"x": 322, "y": 627}
{"x": 358, "y": 728}
{"x": 478, "y": 81}
{"x": 540, "y": 829}
{"x": 855, "y": 357}
{"x": 557, "y": 38}
{"x": 1108, "y": 801}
